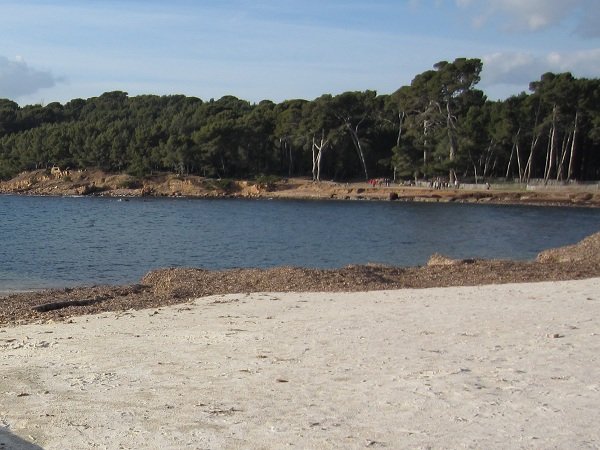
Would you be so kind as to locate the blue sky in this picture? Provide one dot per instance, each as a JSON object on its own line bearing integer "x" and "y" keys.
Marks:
{"x": 54, "y": 50}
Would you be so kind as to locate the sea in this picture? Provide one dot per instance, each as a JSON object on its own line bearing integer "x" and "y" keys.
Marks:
{"x": 71, "y": 241}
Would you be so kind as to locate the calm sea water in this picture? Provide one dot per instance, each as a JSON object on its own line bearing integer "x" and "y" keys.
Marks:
{"x": 57, "y": 242}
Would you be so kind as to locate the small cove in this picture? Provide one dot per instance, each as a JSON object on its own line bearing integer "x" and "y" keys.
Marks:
{"x": 60, "y": 241}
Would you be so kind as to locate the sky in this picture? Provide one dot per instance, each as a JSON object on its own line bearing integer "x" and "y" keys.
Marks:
{"x": 59, "y": 50}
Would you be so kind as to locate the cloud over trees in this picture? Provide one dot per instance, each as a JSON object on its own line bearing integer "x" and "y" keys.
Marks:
{"x": 534, "y": 15}
{"x": 514, "y": 68}
{"x": 17, "y": 78}
{"x": 519, "y": 67}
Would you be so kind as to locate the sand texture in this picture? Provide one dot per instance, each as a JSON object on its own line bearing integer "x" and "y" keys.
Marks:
{"x": 494, "y": 366}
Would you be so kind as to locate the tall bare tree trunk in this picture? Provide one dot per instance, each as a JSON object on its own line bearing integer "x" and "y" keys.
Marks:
{"x": 563, "y": 154}
{"x": 488, "y": 157}
{"x": 547, "y": 161}
{"x": 474, "y": 166}
{"x": 451, "y": 126}
{"x": 552, "y": 146}
{"x": 518, "y": 154}
{"x": 512, "y": 153}
{"x": 529, "y": 165}
{"x": 401, "y": 117}
{"x": 572, "y": 156}
{"x": 319, "y": 158}
{"x": 517, "y": 146}
{"x": 534, "y": 140}
{"x": 425, "y": 141}
{"x": 357, "y": 145}
{"x": 317, "y": 155}
{"x": 314, "y": 159}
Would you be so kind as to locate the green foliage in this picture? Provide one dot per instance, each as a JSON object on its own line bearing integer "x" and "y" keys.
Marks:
{"x": 438, "y": 124}
{"x": 7, "y": 171}
{"x": 224, "y": 184}
{"x": 267, "y": 181}
{"x": 403, "y": 163}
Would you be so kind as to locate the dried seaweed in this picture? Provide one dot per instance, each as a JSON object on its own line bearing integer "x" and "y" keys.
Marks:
{"x": 172, "y": 286}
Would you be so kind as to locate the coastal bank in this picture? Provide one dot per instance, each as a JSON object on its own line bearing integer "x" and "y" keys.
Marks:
{"x": 95, "y": 182}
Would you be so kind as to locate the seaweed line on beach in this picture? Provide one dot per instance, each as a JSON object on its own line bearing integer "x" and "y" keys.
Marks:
{"x": 178, "y": 285}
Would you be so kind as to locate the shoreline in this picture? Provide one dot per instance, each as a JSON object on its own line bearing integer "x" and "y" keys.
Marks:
{"x": 171, "y": 286}
{"x": 485, "y": 366}
{"x": 458, "y": 353}
{"x": 98, "y": 183}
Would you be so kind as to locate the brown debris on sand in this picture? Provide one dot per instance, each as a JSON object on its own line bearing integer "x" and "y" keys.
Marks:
{"x": 586, "y": 250}
{"x": 171, "y": 286}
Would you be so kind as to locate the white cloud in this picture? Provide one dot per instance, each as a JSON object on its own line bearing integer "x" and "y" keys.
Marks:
{"x": 510, "y": 68}
{"x": 534, "y": 15}
{"x": 514, "y": 71}
{"x": 18, "y": 79}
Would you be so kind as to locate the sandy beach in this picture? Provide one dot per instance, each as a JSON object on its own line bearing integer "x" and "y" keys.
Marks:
{"x": 492, "y": 366}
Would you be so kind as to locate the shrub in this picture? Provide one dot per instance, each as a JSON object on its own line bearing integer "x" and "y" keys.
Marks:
{"x": 224, "y": 184}
{"x": 267, "y": 181}
{"x": 131, "y": 183}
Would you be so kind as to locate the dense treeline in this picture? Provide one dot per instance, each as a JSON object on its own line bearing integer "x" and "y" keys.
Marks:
{"x": 440, "y": 125}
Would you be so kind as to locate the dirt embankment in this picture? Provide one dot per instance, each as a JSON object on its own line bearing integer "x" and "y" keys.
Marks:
{"x": 98, "y": 183}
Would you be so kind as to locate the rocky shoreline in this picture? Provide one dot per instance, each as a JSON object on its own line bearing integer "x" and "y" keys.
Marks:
{"x": 174, "y": 286}
{"x": 98, "y": 183}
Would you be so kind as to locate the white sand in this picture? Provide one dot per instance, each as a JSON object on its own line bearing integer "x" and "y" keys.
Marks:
{"x": 508, "y": 366}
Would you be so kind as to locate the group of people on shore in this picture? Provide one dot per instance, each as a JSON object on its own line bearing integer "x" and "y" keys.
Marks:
{"x": 378, "y": 182}
{"x": 440, "y": 183}
{"x": 434, "y": 183}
